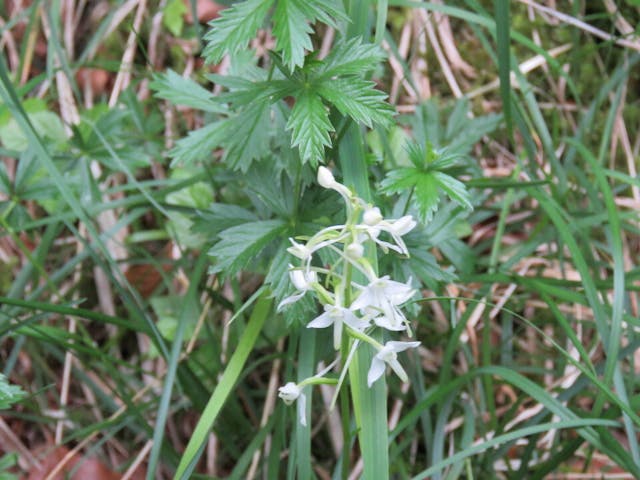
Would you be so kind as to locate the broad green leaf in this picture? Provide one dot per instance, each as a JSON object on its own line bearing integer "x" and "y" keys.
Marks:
{"x": 310, "y": 126}
{"x": 9, "y": 394}
{"x": 235, "y": 27}
{"x": 358, "y": 99}
{"x": 47, "y": 124}
{"x": 172, "y": 16}
{"x": 184, "y": 91}
{"x": 242, "y": 243}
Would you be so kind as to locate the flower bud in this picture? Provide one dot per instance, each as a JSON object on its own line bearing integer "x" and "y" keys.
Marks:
{"x": 289, "y": 393}
{"x": 354, "y": 251}
{"x": 325, "y": 178}
{"x": 372, "y": 216}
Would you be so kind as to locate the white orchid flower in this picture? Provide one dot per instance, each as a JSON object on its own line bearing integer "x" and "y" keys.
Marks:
{"x": 292, "y": 392}
{"x": 388, "y": 355}
{"x": 337, "y": 316}
{"x": 373, "y": 224}
{"x": 380, "y": 300}
{"x": 303, "y": 280}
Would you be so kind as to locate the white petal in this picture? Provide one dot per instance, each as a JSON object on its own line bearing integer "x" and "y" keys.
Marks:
{"x": 401, "y": 346}
{"x": 321, "y": 321}
{"x": 289, "y": 300}
{"x": 337, "y": 334}
{"x": 364, "y": 300}
{"x": 403, "y": 225}
{"x": 302, "y": 409}
{"x": 384, "y": 322}
{"x": 354, "y": 322}
{"x": 397, "y": 368}
{"x": 376, "y": 370}
{"x": 397, "y": 292}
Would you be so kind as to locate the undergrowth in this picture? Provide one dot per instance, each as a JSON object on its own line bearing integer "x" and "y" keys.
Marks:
{"x": 215, "y": 245}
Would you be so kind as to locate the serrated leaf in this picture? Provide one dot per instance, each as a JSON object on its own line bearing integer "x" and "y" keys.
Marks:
{"x": 358, "y": 99}
{"x": 292, "y": 29}
{"x": 219, "y": 217}
{"x": 184, "y": 91}
{"x": 248, "y": 135}
{"x": 236, "y": 26}
{"x": 351, "y": 57}
{"x": 242, "y": 243}
{"x": 199, "y": 144}
{"x": 455, "y": 189}
{"x": 9, "y": 394}
{"x": 426, "y": 185}
{"x": 310, "y": 126}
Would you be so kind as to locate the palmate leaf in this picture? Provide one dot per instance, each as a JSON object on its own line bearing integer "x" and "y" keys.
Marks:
{"x": 358, "y": 99}
{"x": 427, "y": 179}
{"x": 292, "y": 29}
{"x": 240, "y": 244}
{"x": 310, "y": 126}
{"x": 235, "y": 27}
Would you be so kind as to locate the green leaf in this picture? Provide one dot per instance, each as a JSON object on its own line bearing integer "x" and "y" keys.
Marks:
{"x": 198, "y": 145}
{"x": 292, "y": 29}
{"x": 9, "y": 394}
{"x": 220, "y": 395}
{"x": 358, "y": 99}
{"x": 427, "y": 179}
{"x": 350, "y": 58}
{"x": 47, "y": 124}
{"x": 310, "y": 127}
{"x": 240, "y": 244}
{"x": 184, "y": 91}
{"x": 172, "y": 16}
{"x": 236, "y": 26}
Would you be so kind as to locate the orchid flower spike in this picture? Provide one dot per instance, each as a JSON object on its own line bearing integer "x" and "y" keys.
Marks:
{"x": 388, "y": 355}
